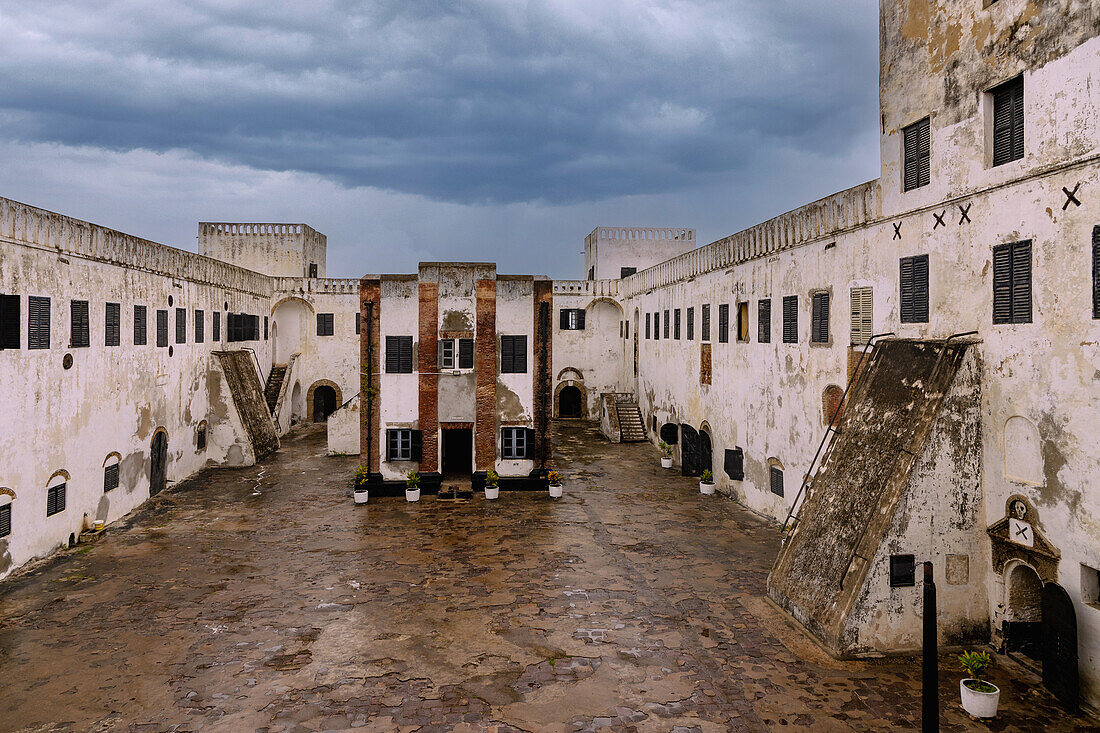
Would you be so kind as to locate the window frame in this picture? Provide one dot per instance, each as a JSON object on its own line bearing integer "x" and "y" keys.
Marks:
{"x": 56, "y": 498}
{"x": 691, "y": 323}
{"x": 917, "y": 309}
{"x": 397, "y": 348}
{"x": 820, "y": 317}
{"x": 80, "y": 336}
{"x": 447, "y": 361}
{"x": 38, "y": 322}
{"x": 514, "y": 448}
{"x": 181, "y": 325}
{"x": 326, "y": 324}
{"x": 1011, "y": 307}
{"x": 11, "y": 322}
{"x": 141, "y": 325}
{"x": 513, "y": 360}
{"x": 920, "y": 157}
{"x": 743, "y": 336}
{"x": 723, "y": 323}
{"x": 775, "y": 472}
{"x": 399, "y": 445}
{"x": 5, "y": 519}
{"x": 162, "y": 328}
{"x": 110, "y": 477}
{"x": 790, "y": 319}
{"x": 1009, "y": 93}
{"x": 764, "y": 321}
{"x": 199, "y": 317}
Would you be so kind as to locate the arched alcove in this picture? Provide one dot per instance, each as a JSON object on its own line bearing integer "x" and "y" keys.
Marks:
{"x": 1023, "y": 455}
{"x": 291, "y": 319}
{"x": 830, "y": 404}
{"x": 322, "y": 399}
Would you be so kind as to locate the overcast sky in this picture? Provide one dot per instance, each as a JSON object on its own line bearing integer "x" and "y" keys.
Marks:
{"x": 411, "y": 130}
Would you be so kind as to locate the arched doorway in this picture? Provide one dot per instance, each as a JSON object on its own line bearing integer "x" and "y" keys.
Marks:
{"x": 1059, "y": 645}
{"x": 569, "y": 402}
{"x": 158, "y": 463}
{"x": 705, "y": 457}
{"x": 297, "y": 403}
{"x": 324, "y": 403}
{"x": 689, "y": 451}
{"x": 274, "y": 342}
{"x": 1023, "y": 620}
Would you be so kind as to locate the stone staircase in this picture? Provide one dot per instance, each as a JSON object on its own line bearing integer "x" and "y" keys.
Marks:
{"x": 274, "y": 386}
{"x": 631, "y": 428}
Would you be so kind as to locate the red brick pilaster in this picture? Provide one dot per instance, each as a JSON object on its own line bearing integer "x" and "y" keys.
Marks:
{"x": 370, "y": 360}
{"x": 542, "y": 373}
{"x": 485, "y": 376}
{"x": 429, "y": 378}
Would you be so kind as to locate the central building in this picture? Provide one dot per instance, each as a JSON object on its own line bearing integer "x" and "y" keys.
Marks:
{"x": 455, "y": 376}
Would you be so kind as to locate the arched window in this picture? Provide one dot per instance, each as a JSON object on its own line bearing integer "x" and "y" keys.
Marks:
{"x": 830, "y": 404}
{"x": 55, "y": 493}
{"x": 7, "y": 496}
{"x": 200, "y": 436}
{"x": 110, "y": 472}
{"x": 1023, "y": 451}
{"x": 775, "y": 476}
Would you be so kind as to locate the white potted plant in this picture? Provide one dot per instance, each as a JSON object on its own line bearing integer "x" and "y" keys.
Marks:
{"x": 360, "y": 487}
{"x": 492, "y": 484}
{"x": 554, "y": 479}
{"x": 412, "y": 486}
{"x": 666, "y": 451}
{"x": 706, "y": 483}
{"x": 979, "y": 697}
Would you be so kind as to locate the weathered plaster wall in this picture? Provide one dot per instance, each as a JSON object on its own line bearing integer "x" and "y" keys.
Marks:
{"x": 595, "y": 359}
{"x": 398, "y": 393}
{"x": 515, "y": 392}
{"x": 609, "y": 249}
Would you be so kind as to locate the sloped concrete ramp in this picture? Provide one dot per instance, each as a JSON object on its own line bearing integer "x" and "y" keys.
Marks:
{"x": 853, "y": 498}
{"x": 248, "y": 397}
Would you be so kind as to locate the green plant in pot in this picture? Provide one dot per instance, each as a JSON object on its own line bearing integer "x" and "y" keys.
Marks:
{"x": 362, "y": 475}
{"x": 412, "y": 486}
{"x": 979, "y": 696}
{"x": 553, "y": 480}
{"x": 492, "y": 484}
{"x": 666, "y": 454}
{"x": 706, "y": 482}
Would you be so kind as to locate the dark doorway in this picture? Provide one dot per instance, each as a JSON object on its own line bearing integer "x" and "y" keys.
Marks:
{"x": 705, "y": 459}
{"x": 1059, "y": 646}
{"x": 569, "y": 402}
{"x": 457, "y": 453}
{"x": 158, "y": 464}
{"x": 324, "y": 403}
{"x": 689, "y": 451}
{"x": 1023, "y": 628}
{"x": 669, "y": 433}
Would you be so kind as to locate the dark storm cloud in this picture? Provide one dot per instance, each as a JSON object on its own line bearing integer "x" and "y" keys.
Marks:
{"x": 486, "y": 101}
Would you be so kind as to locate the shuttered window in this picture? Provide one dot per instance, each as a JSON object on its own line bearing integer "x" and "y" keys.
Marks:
{"x": 914, "y": 289}
{"x": 1008, "y": 121}
{"x": 55, "y": 500}
{"x": 445, "y": 355}
{"x": 918, "y": 146}
{"x": 668, "y": 323}
{"x": 704, "y": 322}
{"x": 403, "y": 444}
{"x": 162, "y": 328}
{"x": 627, "y": 271}
{"x": 691, "y": 324}
{"x": 790, "y": 319}
{"x": 676, "y": 324}
{"x": 399, "y": 354}
{"x": 648, "y": 333}
{"x": 724, "y": 323}
{"x": 571, "y": 319}
{"x": 358, "y": 319}
{"x": 265, "y": 328}
{"x": 465, "y": 353}
{"x": 1012, "y": 282}
{"x": 112, "y": 325}
{"x": 79, "y": 324}
{"x": 181, "y": 325}
{"x": 743, "y": 322}
{"x": 657, "y": 326}
{"x": 325, "y": 324}
{"x": 9, "y": 322}
{"x": 775, "y": 476}
{"x": 1096, "y": 272}
{"x": 903, "y": 571}
{"x": 513, "y": 354}
{"x": 216, "y": 326}
{"x": 5, "y": 520}
{"x": 764, "y": 321}
{"x": 200, "y": 326}
{"x": 141, "y": 326}
{"x": 514, "y": 443}
{"x": 819, "y": 318}
{"x": 110, "y": 477}
{"x": 38, "y": 322}
{"x": 862, "y": 322}
{"x": 200, "y": 438}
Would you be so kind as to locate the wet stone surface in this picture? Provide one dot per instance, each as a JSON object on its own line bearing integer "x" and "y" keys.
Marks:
{"x": 263, "y": 600}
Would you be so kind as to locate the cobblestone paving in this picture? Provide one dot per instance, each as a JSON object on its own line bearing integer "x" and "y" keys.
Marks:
{"x": 263, "y": 600}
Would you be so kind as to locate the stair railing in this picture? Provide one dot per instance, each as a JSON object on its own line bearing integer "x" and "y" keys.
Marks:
{"x": 807, "y": 478}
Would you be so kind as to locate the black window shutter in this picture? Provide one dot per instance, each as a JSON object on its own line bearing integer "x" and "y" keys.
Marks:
{"x": 657, "y": 326}
{"x": 704, "y": 322}
{"x": 200, "y": 326}
{"x": 790, "y": 319}
{"x": 917, "y": 144}
{"x": 820, "y": 325}
{"x": 181, "y": 325}
{"x": 140, "y": 326}
{"x": 216, "y": 323}
{"x": 676, "y": 324}
{"x": 563, "y": 319}
{"x": 519, "y": 354}
{"x": 648, "y": 332}
{"x": 406, "y": 352}
{"x": 1002, "y": 283}
{"x": 358, "y": 322}
{"x": 735, "y": 464}
{"x": 9, "y": 322}
{"x": 1008, "y": 121}
{"x": 580, "y": 319}
{"x": 465, "y": 353}
{"x": 112, "y": 322}
{"x": 914, "y": 289}
{"x": 1096, "y": 272}
{"x": 1021, "y": 282}
{"x": 110, "y": 477}
{"x": 78, "y": 310}
{"x": 723, "y": 323}
{"x": 691, "y": 324}
{"x": 666, "y": 323}
{"x": 5, "y": 520}
{"x": 38, "y": 322}
{"x": 528, "y": 443}
{"x": 162, "y": 328}
{"x": 764, "y": 321}
{"x": 391, "y": 442}
{"x": 507, "y": 349}
{"x": 776, "y": 481}
{"x": 417, "y": 445}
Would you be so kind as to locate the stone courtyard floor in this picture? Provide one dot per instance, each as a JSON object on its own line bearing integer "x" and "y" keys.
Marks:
{"x": 262, "y": 599}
